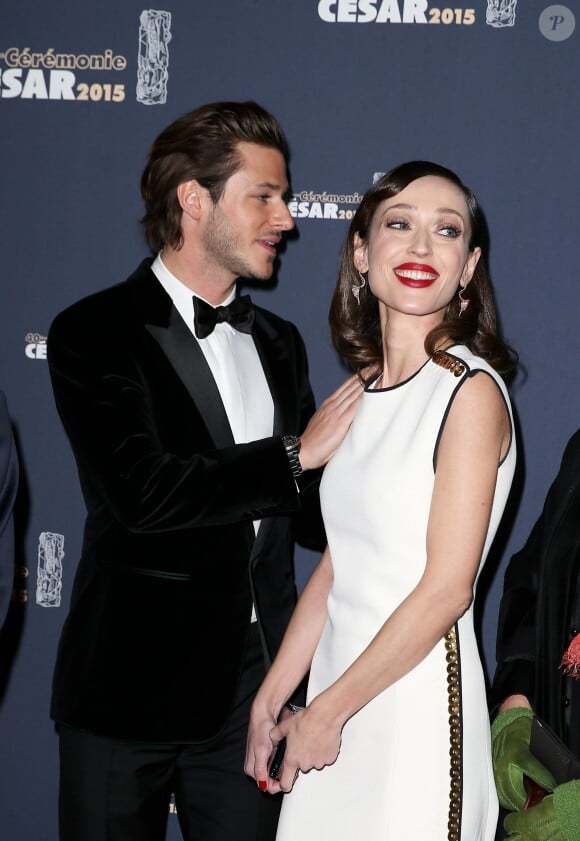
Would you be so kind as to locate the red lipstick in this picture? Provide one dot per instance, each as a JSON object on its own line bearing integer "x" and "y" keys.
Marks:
{"x": 416, "y": 275}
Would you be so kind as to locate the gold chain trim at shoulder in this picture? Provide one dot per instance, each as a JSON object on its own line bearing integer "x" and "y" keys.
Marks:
{"x": 455, "y": 737}
{"x": 456, "y": 366}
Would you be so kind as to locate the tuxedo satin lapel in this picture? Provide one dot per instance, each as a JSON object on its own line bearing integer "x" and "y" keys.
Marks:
{"x": 273, "y": 353}
{"x": 188, "y": 360}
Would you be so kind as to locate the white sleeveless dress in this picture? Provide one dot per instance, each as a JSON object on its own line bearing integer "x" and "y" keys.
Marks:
{"x": 414, "y": 763}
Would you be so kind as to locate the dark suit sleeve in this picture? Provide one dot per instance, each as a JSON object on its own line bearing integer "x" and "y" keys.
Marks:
{"x": 102, "y": 381}
{"x": 518, "y": 612}
{"x": 515, "y": 644}
{"x": 309, "y": 527}
{"x": 8, "y": 489}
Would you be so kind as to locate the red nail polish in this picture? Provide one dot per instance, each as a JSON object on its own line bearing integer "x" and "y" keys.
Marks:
{"x": 262, "y": 785}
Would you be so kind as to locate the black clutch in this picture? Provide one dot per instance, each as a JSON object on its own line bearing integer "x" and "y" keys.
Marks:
{"x": 551, "y": 751}
{"x": 554, "y": 755}
{"x": 276, "y": 764}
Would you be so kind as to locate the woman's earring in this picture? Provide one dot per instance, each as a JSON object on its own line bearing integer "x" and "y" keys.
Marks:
{"x": 463, "y": 303}
{"x": 356, "y": 289}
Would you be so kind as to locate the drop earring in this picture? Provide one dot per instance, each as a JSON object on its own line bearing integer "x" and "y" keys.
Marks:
{"x": 356, "y": 289}
{"x": 463, "y": 303}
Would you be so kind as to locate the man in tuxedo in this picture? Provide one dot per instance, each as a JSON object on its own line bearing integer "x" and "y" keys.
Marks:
{"x": 9, "y": 472}
{"x": 192, "y": 422}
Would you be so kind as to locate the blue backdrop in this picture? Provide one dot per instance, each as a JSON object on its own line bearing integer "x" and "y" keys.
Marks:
{"x": 487, "y": 87}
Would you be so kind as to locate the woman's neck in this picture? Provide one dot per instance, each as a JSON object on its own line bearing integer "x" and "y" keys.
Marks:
{"x": 404, "y": 344}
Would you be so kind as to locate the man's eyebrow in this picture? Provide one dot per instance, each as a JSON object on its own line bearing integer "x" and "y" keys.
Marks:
{"x": 286, "y": 192}
{"x": 268, "y": 185}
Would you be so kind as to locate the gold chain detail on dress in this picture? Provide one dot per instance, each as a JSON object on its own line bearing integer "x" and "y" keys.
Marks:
{"x": 441, "y": 357}
{"x": 455, "y": 736}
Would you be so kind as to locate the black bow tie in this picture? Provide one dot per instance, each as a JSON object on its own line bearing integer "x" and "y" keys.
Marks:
{"x": 240, "y": 314}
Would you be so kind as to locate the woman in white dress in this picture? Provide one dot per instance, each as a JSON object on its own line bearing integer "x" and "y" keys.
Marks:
{"x": 394, "y": 741}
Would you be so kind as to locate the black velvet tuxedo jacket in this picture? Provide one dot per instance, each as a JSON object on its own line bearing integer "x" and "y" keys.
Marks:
{"x": 540, "y": 606}
{"x": 153, "y": 644}
{"x": 9, "y": 473}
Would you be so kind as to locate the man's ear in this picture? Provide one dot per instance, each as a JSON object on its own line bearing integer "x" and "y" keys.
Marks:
{"x": 189, "y": 197}
{"x": 360, "y": 252}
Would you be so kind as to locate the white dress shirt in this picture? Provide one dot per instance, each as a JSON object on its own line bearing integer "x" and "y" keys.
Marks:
{"x": 235, "y": 366}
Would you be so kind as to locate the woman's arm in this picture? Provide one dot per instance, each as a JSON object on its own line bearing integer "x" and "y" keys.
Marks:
{"x": 290, "y": 666}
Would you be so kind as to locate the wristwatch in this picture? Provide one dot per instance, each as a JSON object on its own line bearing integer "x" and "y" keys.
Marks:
{"x": 292, "y": 447}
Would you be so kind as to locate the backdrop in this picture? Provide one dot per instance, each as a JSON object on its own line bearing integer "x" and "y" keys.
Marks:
{"x": 487, "y": 87}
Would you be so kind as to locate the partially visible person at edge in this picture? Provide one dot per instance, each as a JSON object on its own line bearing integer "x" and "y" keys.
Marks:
{"x": 395, "y": 736}
{"x": 192, "y": 421}
{"x": 538, "y": 664}
{"x": 9, "y": 475}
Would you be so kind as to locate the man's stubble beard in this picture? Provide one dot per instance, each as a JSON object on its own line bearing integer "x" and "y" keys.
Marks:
{"x": 220, "y": 240}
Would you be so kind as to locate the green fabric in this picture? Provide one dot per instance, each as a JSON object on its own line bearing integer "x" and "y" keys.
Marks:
{"x": 556, "y": 818}
{"x": 507, "y": 716}
{"x": 511, "y": 756}
{"x": 567, "y": 809}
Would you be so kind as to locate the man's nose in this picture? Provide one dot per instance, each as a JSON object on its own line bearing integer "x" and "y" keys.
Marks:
{"x": 283, "y": 219}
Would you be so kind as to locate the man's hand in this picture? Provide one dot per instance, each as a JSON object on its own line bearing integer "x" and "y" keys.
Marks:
{"x": 556, "y": 818}
{"x": 511, "y": 732}
{"x": 330, "y": 423}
